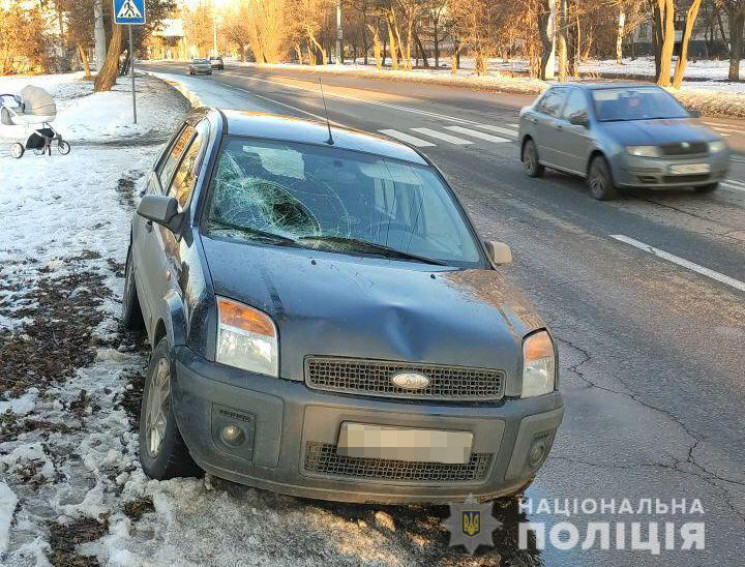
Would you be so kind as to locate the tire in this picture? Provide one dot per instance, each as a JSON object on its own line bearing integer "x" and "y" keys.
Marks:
{"x": 531, "y": 163}
{"x": 163, "y": 453}
{"x": 132, "y": 319}
{"x": 17, "y": 151}
{"x": 600, "y": 180}
{"x": 63, "y": 147}
{"x": 710, "y": 188}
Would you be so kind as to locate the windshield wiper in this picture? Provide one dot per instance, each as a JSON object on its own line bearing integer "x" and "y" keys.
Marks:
{"x": 373, "y": 246}
{"x": 277, "y": 238}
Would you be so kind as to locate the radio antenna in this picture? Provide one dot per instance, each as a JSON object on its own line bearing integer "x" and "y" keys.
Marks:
{"x": 330, "y": 141}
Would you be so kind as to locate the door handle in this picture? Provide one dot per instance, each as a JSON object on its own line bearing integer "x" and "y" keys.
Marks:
{"x": 533, "y": 120}
{"x": 149, "y": 226}
{"x": 559, "y": 127}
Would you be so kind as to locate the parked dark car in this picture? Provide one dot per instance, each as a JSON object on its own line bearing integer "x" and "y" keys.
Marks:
{"x": 326, "y": 323}
{"x": 217, "y": 63}
{"x": 200, "y": 67}
{"x": 620, "y": 136}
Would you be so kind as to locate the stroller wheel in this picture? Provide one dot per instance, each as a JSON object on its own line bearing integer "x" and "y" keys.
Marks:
{"x": 63, "y": 147}
{"x": 17, "y": 150}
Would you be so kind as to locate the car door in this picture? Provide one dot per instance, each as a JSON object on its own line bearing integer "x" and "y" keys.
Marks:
{"x": 148, "y": 241}
{"x": 575, "y": 134}
{"x": 181, "y": 188}
{"x": 548, "y": 126}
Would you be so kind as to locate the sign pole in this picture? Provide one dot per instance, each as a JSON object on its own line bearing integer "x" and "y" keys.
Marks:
{"x": 132, "y": 72}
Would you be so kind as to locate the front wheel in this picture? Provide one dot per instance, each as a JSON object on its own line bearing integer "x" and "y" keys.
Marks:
{"x": 17, "y": 151}
{"x": 710, "y": 188}
{"x": 163, "y": 453}
{"x": 600, "y": 180}
{"x": 531, "y": 163}
{"x": 63, "y": 147}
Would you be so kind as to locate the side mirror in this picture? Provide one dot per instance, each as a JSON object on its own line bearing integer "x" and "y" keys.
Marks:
{"x": 580, "y": 120}
{"x": 162, "y": 210}
{"x": 499, "y": 253}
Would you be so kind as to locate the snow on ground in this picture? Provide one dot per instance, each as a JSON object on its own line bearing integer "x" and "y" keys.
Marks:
{"x": 105, "y": 117}
{"x": 72, "y": 492}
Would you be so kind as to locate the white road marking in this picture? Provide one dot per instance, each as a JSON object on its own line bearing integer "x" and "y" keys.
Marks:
{"x": 417, "y": 142}
{"x": 295, "y": 108}
{"x": 513, "y": 125}
{"x": 500, "y": 130}
{"x": 732, "y": 282}
{"x": 734, "y": 185}
{"x": 442, "y": 136}
{"x": 477, "y": 134}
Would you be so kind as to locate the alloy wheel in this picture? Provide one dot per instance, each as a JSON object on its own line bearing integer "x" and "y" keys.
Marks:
{"x": 158, "y": 406}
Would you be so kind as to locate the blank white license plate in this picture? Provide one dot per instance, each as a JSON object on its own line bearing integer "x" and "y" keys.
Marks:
{"x": 404, "y": 444}
{"x": 690, "y": 168}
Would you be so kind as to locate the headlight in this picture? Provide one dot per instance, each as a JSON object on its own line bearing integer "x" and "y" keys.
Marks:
{"x": 539, "y": 365}
{"x": 643, "y": 151}
{"x": 246, "y": 338}
{"x": 718, "y": 146}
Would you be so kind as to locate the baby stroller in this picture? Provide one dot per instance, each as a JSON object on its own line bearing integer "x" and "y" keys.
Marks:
{"x": 33, "y": 107}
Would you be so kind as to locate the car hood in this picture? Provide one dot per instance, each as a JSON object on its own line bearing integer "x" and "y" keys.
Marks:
{"x": 338, "y": 305}
{"x": 657, "y": 132}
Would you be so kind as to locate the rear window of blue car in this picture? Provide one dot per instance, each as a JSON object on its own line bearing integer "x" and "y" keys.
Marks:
{"x": 299, "y": 191}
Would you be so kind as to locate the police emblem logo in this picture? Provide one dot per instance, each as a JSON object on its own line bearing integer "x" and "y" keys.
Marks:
{"x": 471, "y": 524}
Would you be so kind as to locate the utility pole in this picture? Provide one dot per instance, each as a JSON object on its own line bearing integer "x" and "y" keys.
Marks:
{"x": 99, "y": 34}
{"x": 339, "y": 35}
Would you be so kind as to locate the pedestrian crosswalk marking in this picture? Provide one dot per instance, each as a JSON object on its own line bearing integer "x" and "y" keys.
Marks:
{"x": 129, "y": 11}
{"x": 416, "y": 142}
{"x": 442, "y": 136}
{"x": 477, "y": 134}
{"x": 499, "y": 130}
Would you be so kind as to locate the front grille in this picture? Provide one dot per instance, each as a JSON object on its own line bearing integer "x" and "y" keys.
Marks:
{"x": 684, "y": 149}
{"x": 686, "y": 178}
{"x": 373, "y": 378}
{"x": 322, "y": 459}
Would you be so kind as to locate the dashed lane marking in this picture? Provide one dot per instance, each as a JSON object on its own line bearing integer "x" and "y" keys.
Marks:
{"x": 721, "y": 278}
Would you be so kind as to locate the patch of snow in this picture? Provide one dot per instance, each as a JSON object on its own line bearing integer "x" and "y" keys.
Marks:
{"x": 20, "y": 406}
{"x": 8, "y": 503}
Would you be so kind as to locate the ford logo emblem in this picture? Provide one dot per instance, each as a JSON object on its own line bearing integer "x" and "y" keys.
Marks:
{"x": 410, "y": 381}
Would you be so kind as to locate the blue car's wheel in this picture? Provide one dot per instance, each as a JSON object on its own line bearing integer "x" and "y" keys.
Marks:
{"x": 600, "y": 180}
{"x": 163, "y": 453}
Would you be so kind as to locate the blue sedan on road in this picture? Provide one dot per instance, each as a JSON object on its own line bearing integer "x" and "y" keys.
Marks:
{"x": 620, "y": 136}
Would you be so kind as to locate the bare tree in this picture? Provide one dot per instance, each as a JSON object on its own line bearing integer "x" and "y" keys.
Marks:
{"x": 735, "y": 10}
{"x": 680, "y": 67}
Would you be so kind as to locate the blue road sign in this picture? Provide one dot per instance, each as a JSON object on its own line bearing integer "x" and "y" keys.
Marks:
{"x": 129, "y": 12}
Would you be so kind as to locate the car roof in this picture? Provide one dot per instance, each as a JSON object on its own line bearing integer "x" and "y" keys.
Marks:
{"x": 601, "y": 86}
{"x": 288, "y": 129}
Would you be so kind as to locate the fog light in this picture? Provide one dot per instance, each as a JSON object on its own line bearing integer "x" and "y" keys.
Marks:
{"x": 231, "y": 435}
{"x": 537, "y": 453}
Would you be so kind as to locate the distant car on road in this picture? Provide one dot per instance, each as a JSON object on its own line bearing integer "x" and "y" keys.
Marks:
{"x": 200, "y": 66}
{"x": 217, "y": 63}
{"x": 326, "y": 322}
{"x": 620, "y": 136}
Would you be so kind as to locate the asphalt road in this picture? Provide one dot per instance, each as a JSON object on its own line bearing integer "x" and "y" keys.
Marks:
{"x": 652, "y": 345}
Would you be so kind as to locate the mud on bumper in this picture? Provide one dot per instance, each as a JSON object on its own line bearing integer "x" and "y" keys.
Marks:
{"x": 288, "y": 436}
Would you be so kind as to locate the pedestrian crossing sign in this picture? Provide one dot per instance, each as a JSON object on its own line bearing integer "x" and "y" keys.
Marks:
{"x": 129, "y": 12}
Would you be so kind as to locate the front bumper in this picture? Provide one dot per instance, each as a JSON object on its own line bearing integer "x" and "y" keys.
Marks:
{"x": 289, "y": 433}
{"x": 649, "y": 172}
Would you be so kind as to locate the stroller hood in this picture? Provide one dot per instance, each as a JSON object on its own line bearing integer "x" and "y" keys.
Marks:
{"x": 38, "y": 102}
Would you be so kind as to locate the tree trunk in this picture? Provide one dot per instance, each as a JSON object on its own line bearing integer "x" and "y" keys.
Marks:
{"x": 680, "y": 68}
{"x": 619, "y": 35}
{"x": 437, "y": 44}
{"x": 480, "y": 63}
{"x": 84, "y": 61}
{"x": 106, "y": 77}
{"x": 393, "y": 48}
{"x": 562, "y": 13}
{"x": 667, "y": 10}
{"x": 377, "y": 47}
{"x": 546, "y": 24}
{"x": 425, "y": 59}
{"x": 736, "y": 25}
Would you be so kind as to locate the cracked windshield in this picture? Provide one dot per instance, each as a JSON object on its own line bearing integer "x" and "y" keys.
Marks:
{"x": 333, "y": 199}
